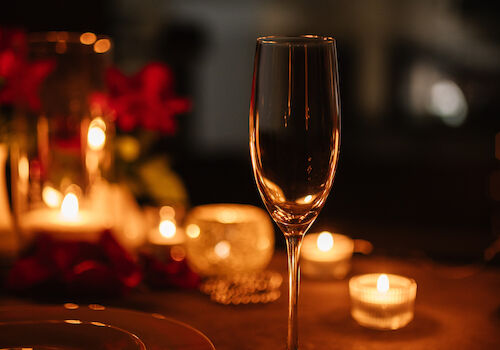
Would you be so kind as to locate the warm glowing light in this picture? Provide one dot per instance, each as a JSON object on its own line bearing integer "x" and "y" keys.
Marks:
{"x": 325, "y": 241}
{"x": 383, "y": 283}
{"x": 97, "y": 307}
{"x": 275, "y": 192}
{"x": 69, "y": 206}
{"x": 24, "y": 168}
{"x": 193, "y": 231}
{"x": 51, "y": 197}
{"x": 305, "y": 200}
{"x": 92, "y": 162}
{"x": 222, "y": 249}
{"x": 88, "y": 38}
{"x": 73, "y": 321}
{"x": 227, "y": 216}
{"x": 128, "y": 148}
{"x": 71, "y": 306}
{"x": 167, "y": 212}
{"x": 102, "y": 45}
{"x": 167, "y": 228}
{"x": 263, "y": 243}
{"x": 96, "y": 136}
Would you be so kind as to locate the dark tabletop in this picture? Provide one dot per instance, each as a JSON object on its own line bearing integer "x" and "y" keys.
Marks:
{"x": 457, "y": 307}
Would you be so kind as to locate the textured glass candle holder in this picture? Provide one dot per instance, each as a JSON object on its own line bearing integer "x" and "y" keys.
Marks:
{"x": 227, "y": 239}
{"x": 388, "y": 309}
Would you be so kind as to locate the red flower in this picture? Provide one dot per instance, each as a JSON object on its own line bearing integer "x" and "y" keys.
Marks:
{"x": 80, "y": 268}
{"x": 146, "y": 99}
{"x": 20, "y": 79}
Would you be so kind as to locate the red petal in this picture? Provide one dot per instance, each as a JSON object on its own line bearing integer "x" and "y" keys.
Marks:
{"x": 156, "y": 80}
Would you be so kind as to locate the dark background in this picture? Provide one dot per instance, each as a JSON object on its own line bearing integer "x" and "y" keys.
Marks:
{"x": 419, "y": 89}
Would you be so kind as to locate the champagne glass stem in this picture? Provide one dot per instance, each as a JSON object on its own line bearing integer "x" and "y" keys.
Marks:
{"x": 293, "y": 243}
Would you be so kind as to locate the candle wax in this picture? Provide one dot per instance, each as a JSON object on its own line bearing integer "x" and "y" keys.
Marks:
{"x": 85, "y": 225}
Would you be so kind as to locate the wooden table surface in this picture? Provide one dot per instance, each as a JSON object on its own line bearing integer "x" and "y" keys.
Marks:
{"x": 456, "y": 308}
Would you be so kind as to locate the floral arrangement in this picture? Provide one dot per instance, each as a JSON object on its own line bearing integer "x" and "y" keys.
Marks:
{"x": 144, "y": 107}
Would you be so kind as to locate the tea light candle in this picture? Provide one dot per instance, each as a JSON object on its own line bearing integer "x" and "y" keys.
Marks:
{"x": 166, "y": 234}
{"x": 68, "y": 223}
{"x": 166, "y": 240}
{"x": 382, "y": 301}
{"x": 326, "y": 255}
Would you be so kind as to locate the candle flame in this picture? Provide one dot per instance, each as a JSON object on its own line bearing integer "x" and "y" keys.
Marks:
{"x": 167, "y": 228}
{"x": 96, "y": 136}
{"x": 222, "y": 249}
{"x": 69, "y": 206}
{"x": 51, "y": 197}
{"x": 383, "y": 283}
{"x": 325, "y": 241}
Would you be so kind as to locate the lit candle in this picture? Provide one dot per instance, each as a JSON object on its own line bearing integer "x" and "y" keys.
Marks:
{"x": 326, "y": 255}
{"x": 228, "y": 239}
{"x": 95, "y": 156}
{"x": 69, "y": 222}
{"x": 166, "y": 239}
{"x": 166, "y": 234}
{"x": 96, "y": 135}
{"x": 382, "y": 301}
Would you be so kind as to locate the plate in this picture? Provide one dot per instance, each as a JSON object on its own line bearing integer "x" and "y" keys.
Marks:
{"x": 96, "y": 327}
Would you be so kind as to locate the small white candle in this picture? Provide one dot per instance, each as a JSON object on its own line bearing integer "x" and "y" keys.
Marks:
{"x": 326, "y": 255}
{"x": 166, "y": 239}
{"x": 382, "y": 301}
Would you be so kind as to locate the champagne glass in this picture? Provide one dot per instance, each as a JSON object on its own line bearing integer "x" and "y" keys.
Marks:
{"x": 294, "y": 139}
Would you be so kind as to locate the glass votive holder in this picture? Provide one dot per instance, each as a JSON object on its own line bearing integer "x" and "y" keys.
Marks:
{"x": 227, "y": 239}
{"x": 165, "y": 238}
{"x": 380, "y": 301}
{"x": 63, "y": 147}
{"x": 326, "y": 255}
